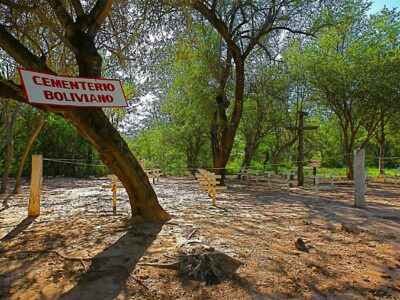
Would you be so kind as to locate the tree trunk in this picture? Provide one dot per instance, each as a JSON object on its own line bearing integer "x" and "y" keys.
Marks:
{"x": 223, "y": 131}
{"x": 382, "y": 147}
{"x": 96, "y": 128}
{"x": 279, "y": 149}
{"x": 220, "y": 160}
{"x": 249, "y": 152}
{"x": 300, "y": 150}
{"x": 192, "y": 153}
{"x": 92, "y": 123}
{"x": 39, "y": 126}
{"x": 218, "y": 133}
{"x": 349, "y": 164}
{"x": 275, "y": 166}
{"x": 348, "y": 152}
{"x": 350, "y": 169}
{"x": 10, "y": 149}
{"x": 266, "y": 159}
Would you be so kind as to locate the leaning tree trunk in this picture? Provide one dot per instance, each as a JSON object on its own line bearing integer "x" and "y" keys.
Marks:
{"x": 10, "y": 149}
{"x": 94, "y": 125}
{"x": 39, "y": 126}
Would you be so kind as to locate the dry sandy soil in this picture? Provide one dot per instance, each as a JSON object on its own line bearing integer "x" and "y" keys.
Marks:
{"x": 77, "y": 249}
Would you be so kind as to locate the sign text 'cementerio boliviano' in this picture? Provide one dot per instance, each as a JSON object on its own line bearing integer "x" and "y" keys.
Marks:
{"x": 49, "y": 89}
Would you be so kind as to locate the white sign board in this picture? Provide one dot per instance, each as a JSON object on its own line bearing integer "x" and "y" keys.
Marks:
{"x": 48, "y": 89}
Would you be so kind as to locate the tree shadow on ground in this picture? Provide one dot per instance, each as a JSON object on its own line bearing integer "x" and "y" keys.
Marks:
{"x": 110, "y": 269}
{"x": 5, "y": 203}
{"x": 17, "y": 230}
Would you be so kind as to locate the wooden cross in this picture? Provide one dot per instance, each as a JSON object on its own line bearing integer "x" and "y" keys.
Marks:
{"x": 300, "y": 150}
{"x": 114, "y": 186}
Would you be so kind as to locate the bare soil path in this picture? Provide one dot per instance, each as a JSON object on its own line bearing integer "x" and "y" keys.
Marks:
{"x": 77, "y": 249}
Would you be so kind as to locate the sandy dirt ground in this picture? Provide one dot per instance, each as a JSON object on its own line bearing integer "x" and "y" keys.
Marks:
{"x": 77, "y": 249}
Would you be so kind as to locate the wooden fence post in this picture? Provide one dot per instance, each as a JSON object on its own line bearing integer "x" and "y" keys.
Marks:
{"x": 36, "y": 186}
{"x": 359, "y": 178}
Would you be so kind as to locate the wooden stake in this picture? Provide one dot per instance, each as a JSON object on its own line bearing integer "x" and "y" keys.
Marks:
{"x": 269, "y": 178}
{"x": 114, "y": 190}
{"x": 114, "y": 186}
{"x": 359, "y": 178}
{"x": 36, "y": 186}
{"x": 316, "y": 186}
{"x": 214, "y": 198}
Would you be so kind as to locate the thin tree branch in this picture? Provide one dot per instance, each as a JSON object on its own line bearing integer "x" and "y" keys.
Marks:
{"x": 42, "y": 16}
{"x": 218, "y": 24}
{"x": 10, "y": 90}
{"x": 78, "y": 8}
{"x": 63, "y": 17}
{"x": 20, "y": 53}
{"x": 98, "y": 15}
{"x": 293, "y": 31}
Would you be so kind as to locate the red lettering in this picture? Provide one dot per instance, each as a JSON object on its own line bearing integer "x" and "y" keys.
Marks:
{"x": 101, "y": 98}
{"x": 48, "y": 95}
{"x": 110, "y": 87}
{"x": 109, "y": 98}
{"x": 78, "y": 97}
{"x": 58, "y": 96}
{"x": 46, "y": 81}
{"x": 93, "y": 98}
{"x": 73, "y": 85}
{"x": 66, "y": 97}
{"x": 91, "y": 86}
{"x": 83, "y": 84}
{"x": 98, "y": 87}
{"x": 55, "y": 83}
{"x": 35, "y": 80}
{"x": 65, "y": 84}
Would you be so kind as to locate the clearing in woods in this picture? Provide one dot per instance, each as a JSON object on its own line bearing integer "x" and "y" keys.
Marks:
{"x": 77, "y": 249}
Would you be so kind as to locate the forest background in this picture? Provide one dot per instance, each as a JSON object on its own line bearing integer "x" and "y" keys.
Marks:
{"x": 341, "y": 67}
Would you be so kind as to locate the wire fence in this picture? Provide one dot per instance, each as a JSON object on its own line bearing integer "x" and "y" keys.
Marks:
{"x": 260, "y": 168}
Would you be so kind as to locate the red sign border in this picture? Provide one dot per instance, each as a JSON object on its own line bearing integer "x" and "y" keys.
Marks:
{"x": 65, "y": 105}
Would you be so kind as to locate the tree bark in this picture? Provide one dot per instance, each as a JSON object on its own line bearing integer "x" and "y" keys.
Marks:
{"x": 193, "y": 148}
{"x": 39, "y": 126}
{"x": 266, "y": 159}
{"x": 92, "y": 123}
{"x": 278, "y": 152}
{"x": 249, "y": 152}
{"x": 10, "y": 149}
{"x": 382, "y": 146}
{"x": 223, "y": 131}
{"x": 300, "y": 150}
{"x": 349, "y": 162}
{"x": 348, "y": 149}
